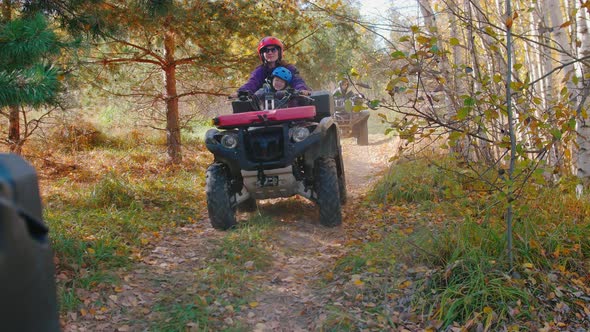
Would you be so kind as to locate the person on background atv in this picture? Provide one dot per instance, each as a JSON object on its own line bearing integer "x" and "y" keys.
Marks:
{"x": 342, "y": 94}
{"x": 270, "y": 52}
{"x": 342, "y": 91}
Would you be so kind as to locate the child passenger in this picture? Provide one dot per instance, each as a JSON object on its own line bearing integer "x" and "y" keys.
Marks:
{"x": 281, "y": 80}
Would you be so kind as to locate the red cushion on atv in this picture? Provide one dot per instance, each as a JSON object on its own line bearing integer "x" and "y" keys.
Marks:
{"x": 249, "y": 118}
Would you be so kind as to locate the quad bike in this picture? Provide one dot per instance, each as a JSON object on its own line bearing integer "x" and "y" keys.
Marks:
{"x": 275, "y": 151}
{"x": 352, "y": 123}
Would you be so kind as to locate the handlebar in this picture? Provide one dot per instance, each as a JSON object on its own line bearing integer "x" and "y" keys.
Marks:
{"x": 281, "y": 98}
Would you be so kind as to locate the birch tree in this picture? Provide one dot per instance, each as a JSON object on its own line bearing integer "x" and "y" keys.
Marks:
{"x": 583, "y": 119}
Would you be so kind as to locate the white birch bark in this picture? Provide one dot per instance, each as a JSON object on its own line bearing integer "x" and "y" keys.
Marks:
{"x": 443, "y": 67}
{"x": 583, "y": 123}
{"x": 565, "y": 56}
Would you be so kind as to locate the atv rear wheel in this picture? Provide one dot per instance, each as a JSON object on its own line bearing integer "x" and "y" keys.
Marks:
{"x": 221, "y": 212}
{"x": 328, "y": 191}
{"x": 362, "y": 137}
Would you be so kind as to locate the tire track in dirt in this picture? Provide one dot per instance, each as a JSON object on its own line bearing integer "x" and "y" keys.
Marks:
{"x": 290, "y": 299}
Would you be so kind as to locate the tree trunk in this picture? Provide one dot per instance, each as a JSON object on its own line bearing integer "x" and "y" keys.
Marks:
{"x": 460, "y": 148}
{"x": 14, "y": 129}
{"x": 583, "y": 125}
{"x": 172, "y": 115}
{"x": 565, "y": 55}
{"x": 13, "y": 111}
{"x": 6, "y": 11}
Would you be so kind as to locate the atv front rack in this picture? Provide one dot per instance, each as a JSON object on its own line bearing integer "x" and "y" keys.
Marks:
{"x": 264, "y": 117}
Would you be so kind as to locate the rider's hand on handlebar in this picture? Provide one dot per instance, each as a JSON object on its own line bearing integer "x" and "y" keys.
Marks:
{"x": 305, "y": 92}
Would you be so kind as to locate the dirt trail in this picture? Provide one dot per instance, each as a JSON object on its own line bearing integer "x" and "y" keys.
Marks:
{"x": 286, "y": 301}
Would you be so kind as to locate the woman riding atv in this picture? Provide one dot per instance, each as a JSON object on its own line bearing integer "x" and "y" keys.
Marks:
{"x": 270, "y": 52}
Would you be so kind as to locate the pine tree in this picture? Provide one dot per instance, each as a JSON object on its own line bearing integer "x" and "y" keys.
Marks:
{"x": 27, "y": 75}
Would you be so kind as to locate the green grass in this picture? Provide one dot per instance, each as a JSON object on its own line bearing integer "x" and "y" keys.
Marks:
{"x": 453, "y": 228}
{"x": 227, "y": 281}
{"x": 96, "y": 228}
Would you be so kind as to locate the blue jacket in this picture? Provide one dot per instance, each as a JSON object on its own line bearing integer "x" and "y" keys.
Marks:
{"x": 262, "y": 72}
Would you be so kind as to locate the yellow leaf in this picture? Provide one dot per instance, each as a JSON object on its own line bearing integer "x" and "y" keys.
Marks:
{"x": 144, "y": 241}
{"x": 90, "y": 251}
{"x": 508, "y": 22}
{"x": 253, "y": 304}
{"x": 83, "y": 312}
{"x": 405, "y": 284}
{"x": 488, "y": 310}
{"x": 528, "y": 265}
{"x": 358, "y": 282}
{"x": 329, "y": 276}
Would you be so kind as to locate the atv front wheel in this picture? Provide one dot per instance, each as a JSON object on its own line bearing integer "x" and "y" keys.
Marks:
{"x": 328, "y": 191}
{"x": 221, "y": 212}
{"x": 342, "y": 190}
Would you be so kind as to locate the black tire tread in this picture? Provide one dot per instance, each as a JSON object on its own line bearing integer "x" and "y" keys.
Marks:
{"x": 221, "y": 213}
{"x": 328, "y": 192}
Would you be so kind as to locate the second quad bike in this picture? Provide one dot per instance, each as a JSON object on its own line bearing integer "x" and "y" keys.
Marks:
{"x": 352, "y": 123}
{"x": 275, "y": 151}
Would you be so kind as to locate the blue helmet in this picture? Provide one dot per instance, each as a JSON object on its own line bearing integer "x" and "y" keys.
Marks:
{"x": 283, "y": 73}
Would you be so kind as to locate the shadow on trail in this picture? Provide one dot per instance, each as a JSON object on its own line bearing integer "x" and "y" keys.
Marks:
{"x": 288, "y": 210}
{"x": 381, "y": 141}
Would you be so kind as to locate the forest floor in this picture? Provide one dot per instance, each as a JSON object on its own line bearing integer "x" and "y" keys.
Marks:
{"x": 287, "y": 294}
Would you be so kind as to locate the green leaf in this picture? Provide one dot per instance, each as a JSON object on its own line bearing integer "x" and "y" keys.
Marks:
{"x": 398, "y": 55}
{"x": 572, "y": 124}
{"x": 373, "y": 104}
{"x": 454, "y": 41}
{"x": 556, "y": 133}
{"x": 462, "y": 113}
{"x": 469, "y": 101}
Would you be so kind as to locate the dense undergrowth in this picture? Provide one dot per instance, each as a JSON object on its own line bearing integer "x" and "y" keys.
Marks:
{"x": 438, "y": 259}
{"x": 427, "y": 249}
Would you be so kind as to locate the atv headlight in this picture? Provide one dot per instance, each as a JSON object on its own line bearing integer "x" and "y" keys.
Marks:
{"x": 299, "y": 134}
{"x": 229, "y": 141}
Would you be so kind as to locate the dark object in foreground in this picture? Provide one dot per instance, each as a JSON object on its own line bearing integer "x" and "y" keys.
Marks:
{"x": 28, "y": 299}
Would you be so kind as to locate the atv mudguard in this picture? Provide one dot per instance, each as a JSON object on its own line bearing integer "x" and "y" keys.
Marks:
{"x": 329, "y": 146}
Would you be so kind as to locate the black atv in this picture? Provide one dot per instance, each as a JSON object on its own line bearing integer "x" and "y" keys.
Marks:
{"x": 275, "y": 151}
{"x": 352, "y": 123}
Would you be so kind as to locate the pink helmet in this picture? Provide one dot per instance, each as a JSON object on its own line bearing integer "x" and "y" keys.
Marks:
{"x": 268, "y": 41}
